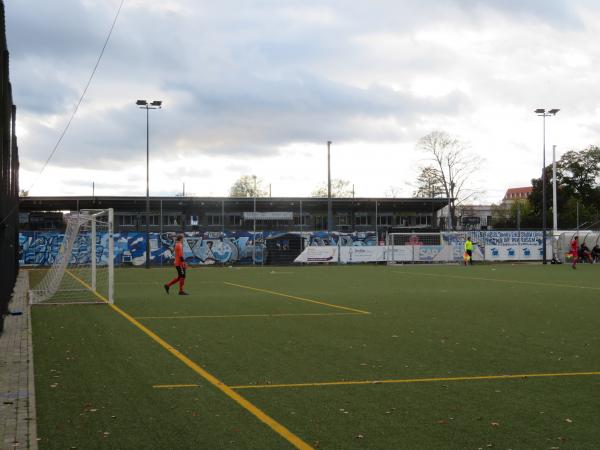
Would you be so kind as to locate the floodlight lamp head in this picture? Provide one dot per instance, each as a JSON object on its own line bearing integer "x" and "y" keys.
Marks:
{"x": 554, "y": 111}
{"x": 141, "y": 103}
{"x": 156, "y": 103}
{"x": 540, "y": 111}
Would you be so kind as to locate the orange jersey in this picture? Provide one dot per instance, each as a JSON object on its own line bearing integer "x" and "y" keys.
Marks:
{"x": 179, "y": 261}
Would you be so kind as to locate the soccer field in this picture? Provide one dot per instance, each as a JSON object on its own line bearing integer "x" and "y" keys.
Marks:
{"x": 378, "y": 357}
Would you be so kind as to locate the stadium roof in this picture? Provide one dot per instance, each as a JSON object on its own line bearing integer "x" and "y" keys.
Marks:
{"x": 71, "y": 203}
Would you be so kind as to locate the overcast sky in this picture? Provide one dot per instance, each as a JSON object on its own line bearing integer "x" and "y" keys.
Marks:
{"x": 259, "y": 87}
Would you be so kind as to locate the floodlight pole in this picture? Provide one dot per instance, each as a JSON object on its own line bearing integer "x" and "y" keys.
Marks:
{"x": 543, "y": 113}
{"x": 143, "y": 104}
{"x": 329, "y": 206}
{"x": 554, "y": 205}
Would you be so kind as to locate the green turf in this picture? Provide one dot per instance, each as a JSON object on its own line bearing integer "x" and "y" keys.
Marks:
{"x": 95, "y": 371}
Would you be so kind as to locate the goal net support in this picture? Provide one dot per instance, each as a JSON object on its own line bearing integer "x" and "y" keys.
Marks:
{"x": 83, "y": 270}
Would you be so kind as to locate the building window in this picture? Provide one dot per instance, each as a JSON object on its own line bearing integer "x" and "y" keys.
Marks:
{"x": 402, "y": 221}
{"x": 320, "y": 222}
{"x": 213, "y": 219}
{"x": 152, "y": 220}
{"x": 172, "y": 220}
{"x": 363, "y": 219}
{"x": 127, "y": 221}
{"x": 386, "y": 219}
{"x": 235, "y": 219}
{"x": 423, "y": 220}
{"x": 342, "y": 219}
{"x": 305, "y": 219}
{"x": 194, "y": 220}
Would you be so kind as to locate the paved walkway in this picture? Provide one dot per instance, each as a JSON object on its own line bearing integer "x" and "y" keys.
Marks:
{"x": 17, "y": 394}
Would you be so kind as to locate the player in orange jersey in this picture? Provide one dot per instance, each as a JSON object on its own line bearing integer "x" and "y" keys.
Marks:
{"x": 180, "y": 265}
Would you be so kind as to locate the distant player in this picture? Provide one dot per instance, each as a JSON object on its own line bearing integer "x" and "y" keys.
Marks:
{"x": 180, "y": 265}
{"x": 575, "y": 251}
{"x": 468, "y": 252}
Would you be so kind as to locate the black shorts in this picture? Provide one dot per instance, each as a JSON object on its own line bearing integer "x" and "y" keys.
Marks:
{"x": 180, "y": 271}
{"x": 470, "y": 252}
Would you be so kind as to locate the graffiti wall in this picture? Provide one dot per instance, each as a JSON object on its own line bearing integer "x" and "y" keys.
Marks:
{"x": 200, "y": 248}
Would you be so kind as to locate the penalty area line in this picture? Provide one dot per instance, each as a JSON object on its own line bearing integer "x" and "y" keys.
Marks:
{"x": 235, "y": 316}
{"x": 419, "y": 380}
{"x": 293, "y": 297}
{"x": 248, "y": 406}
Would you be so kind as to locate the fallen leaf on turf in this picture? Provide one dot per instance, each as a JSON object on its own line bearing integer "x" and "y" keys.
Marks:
{"x": 568, "y": 420}
{"x": 359, "y": 436}
{"x": 495, "y": 424}
{"x": 442, "y": 422}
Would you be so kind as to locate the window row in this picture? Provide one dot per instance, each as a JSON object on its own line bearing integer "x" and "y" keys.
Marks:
{"x": 319, "y": 221}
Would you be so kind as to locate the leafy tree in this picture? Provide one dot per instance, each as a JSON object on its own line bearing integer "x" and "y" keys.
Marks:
{"x": 339, "y": 189}
{"x": 247, "y": 186}
{"x": 578, "y": 189}
{"x": 429, "y": 183}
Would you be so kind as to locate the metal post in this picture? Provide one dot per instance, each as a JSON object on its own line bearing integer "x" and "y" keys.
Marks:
{"x": 329, "y": 205}
{"x": 160, "y": 229}
{"x": 254, "y": 226}
{"x": 519, "y": 226}
{"x": 301, "y": 234}
{"x": 544, "y": 261}
{"x": 147, "y": 187}
{"x": 554, "y": 201}
{"x": 223, "y": 217}
{"x": 376, "y": 225}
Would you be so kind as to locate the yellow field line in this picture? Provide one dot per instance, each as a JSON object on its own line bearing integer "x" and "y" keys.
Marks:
{"x": 293, "y": 297}
{"x": 226, "y": 316}
{"x": 101, "y": 297}
{"x": 258, "y": 413}
{"x": 174, "y": 386}
{"x": 417, "y": 380}
{"x": 500, "y": 280}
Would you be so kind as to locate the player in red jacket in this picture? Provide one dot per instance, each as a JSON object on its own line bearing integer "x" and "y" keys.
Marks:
{"x": 180, "y": 265}
{"x": 575, "y": 250}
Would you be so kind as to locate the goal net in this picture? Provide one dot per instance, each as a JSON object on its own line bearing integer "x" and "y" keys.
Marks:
{"x": 418, "y": 247}
{"x": 83, "y": 270}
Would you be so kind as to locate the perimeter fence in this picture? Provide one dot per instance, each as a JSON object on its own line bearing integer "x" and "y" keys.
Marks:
{"x": 9, "y": 181}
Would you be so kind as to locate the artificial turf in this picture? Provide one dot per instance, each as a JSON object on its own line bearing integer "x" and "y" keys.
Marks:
{"x": 97, "y": 373}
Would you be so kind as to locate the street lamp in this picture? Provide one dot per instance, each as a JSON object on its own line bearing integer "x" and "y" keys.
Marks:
{"x": 329, "y": 207}
{"x": 143, "y": 104}
{"x": 544, "y": 113}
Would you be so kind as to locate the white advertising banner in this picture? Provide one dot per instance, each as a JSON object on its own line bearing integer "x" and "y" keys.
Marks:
{"x": 318, "y": 254}
{"x": 371, "y": 253}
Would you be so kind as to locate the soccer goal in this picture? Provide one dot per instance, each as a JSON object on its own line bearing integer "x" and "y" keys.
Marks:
{"x": 418, "y": 247}
{"x": 83, "y": 270}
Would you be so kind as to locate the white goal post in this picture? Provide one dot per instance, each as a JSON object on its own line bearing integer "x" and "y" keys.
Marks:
{"x": 418, "y": 247}
{"x": 83, "y": 270}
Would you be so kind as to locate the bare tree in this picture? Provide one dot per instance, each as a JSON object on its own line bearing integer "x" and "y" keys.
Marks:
{"x": 393, "y": 192}
{"x": 339, "y": 189}
{"x": 247, "y": 186}
{"x": 450, "y": 167}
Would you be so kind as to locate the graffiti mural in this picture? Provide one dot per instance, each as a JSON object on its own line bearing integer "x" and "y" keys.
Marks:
{"x": 200, "y": 248}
